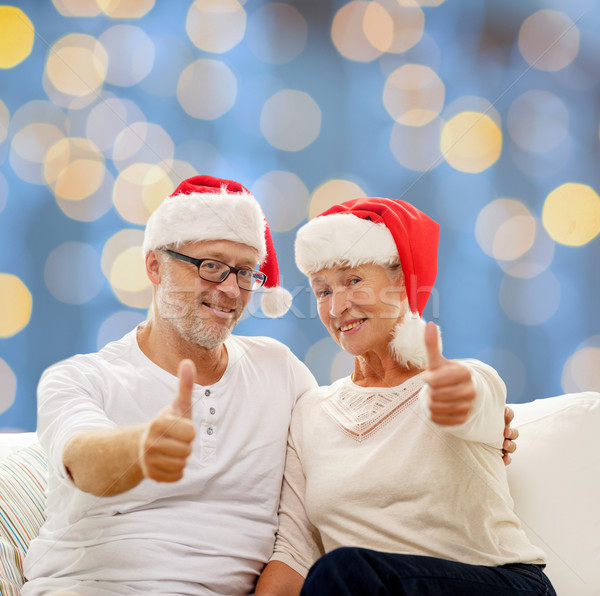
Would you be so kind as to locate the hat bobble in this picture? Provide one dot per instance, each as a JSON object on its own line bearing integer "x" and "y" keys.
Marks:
{"x": 408, "y": 341}
{"x": 275, "y": 301}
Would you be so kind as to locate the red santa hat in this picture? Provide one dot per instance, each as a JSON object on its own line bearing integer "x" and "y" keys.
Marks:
{"x": 208, "y": 208}
{"x": 379, "y": 231}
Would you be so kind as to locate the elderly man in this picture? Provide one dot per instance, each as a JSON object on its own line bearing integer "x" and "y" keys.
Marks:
{"x": 166, "y": 448}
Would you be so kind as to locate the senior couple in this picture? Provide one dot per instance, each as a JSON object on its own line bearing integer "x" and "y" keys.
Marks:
{"x": 168, "y": 449}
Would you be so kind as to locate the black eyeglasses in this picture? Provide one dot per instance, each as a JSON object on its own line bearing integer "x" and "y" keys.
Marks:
{"x": 217, "y": 272}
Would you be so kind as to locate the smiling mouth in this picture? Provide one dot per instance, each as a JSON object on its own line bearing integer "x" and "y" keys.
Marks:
{"x": 352, "y": 325}
{"x": 217, "y": 307}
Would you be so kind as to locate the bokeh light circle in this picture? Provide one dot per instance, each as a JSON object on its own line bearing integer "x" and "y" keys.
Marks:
{"x": 74, "y": 168}
{"x": 72, "y": 273}
{"x": 530, "y": 301}
{"x": 582, "y": 369}
{"x": 16, "y": 36}
{"x": 3, "y": 192}
{"x": 91, "y": 207}
{"x": 77, "y": 8}
{"x": 124, "y": 267}
{"x": 537, "y": 259}
{"x": 471, "y": 142}
{"x": 126, "y": 9}
{"x": 130, "y": 54}
{"x": 276, "y": 33}
{"x": 290, "y": 120}
{"x": 143, "y": 142}
{"x": 207, "y": 89}
{"x": 4, "y": 121}
{"x": 413, "y": 95}
{"x": 505, "y": 229}
{"x": 216, "y": 25}
{"x": 538, "y": 121}
{"x": 8, "y": 384}
{"x": 407, "y": 21}
{"x": 15, "y": 305}
{"x": 117, "y": 325}
{"x": 549, "y": 40}
{"x": 571, "y": 214}
{"x": 331, "y": 193}
{"x": 77, "y": 65}
{"x": 348, "y": 34}
{"x": 108, "y": 119}
{"x": 139, "y": 190}
{"x": 283, "y": 198}
{"x": 417, "y": 147}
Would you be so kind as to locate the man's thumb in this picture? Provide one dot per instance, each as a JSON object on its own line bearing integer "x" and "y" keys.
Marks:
{"x": 432, "y": 343}
{"x": 182, "y": 404}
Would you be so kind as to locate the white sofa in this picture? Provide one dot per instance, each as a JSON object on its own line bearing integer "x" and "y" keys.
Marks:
{"x": 554, "y": 478}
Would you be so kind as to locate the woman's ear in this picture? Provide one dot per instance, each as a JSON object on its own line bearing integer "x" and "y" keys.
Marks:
{"x": 153, "y": 267}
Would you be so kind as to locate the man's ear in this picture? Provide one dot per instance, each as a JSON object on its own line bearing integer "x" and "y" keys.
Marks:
{"x": 153, "y": 267}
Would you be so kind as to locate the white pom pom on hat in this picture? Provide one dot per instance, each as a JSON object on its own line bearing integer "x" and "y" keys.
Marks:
{"x": 208, "y": 208}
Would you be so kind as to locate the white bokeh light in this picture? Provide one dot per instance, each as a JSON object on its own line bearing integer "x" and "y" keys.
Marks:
{"x": 290, "y": 120}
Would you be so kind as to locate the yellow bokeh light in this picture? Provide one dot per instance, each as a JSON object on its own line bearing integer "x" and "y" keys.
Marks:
{"x": 74, "y": 168}
{"x": 128, "y": 271}
{"x": 378, "y": 26}
{"x": 471, "y": 142}
{"x": 77, "y": 65}
{"x": 15, "y": 305}
{"x": 413, "y": 95}
{"x": 571, "y": 214}
{"x": 408, "y": 23}
{"x": 549, "y": 40}
{"x": 139, "y": 190}
{"x": 216, "y": 25}
{"x": 331, "y": 193}
{"x": 348, "y": 32}
{"x": 16, "y": 36}
{"x": 122, "y": 257}
{"x": 125, "y": 9}
{"x": 77, "y": 8}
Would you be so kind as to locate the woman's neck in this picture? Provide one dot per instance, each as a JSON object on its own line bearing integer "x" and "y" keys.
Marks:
{"x": 380, "y": 370}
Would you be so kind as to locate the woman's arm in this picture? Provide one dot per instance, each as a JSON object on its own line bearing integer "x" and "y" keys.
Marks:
{"x": 279, "y": 579}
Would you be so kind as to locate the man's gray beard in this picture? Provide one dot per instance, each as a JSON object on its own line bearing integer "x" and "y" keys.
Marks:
{"x": 187, "y": 320}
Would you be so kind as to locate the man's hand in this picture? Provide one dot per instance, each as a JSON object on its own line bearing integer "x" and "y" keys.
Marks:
{"x": 510, "y": 436}
{"x": 451, "y": 389}
{"x": 167, "y": 441}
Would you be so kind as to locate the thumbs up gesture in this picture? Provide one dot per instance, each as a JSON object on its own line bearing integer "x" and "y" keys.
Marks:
{"x": 451, "y": 389}
{"x": 166, "y": 442}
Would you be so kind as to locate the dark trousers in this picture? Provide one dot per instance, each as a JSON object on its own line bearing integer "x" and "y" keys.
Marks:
{"x": 363, "y": 572}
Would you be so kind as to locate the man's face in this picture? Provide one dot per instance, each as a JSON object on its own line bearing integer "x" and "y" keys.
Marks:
{"x": 200, "y": 311}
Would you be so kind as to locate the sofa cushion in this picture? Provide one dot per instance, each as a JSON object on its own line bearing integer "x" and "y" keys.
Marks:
{"x": 23, "y": 478}
{"x": 555, "y": 482}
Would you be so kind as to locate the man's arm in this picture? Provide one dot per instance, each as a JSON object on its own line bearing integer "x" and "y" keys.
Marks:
{"x": 279, "y": 579}
{"x": 110, "y": 462}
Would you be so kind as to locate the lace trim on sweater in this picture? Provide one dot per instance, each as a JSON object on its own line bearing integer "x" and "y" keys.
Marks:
{"x": 362, "y": 412}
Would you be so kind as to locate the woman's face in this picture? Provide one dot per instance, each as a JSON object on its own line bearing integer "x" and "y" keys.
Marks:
{"x": 359, "y": 306}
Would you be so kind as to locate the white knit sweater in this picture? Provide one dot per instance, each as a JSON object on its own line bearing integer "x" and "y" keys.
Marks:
{"x": 366, "y": 467}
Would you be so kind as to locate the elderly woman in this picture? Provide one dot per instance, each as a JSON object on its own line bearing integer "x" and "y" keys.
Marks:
{"x": 394, "y": 481}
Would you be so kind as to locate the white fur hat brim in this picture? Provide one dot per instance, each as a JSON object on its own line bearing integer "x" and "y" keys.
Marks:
{"x": 343, "y": 238}
{"x": 207, "y": 216}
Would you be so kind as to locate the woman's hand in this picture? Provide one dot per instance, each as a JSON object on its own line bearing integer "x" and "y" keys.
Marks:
{"x": 451, "y": 388}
